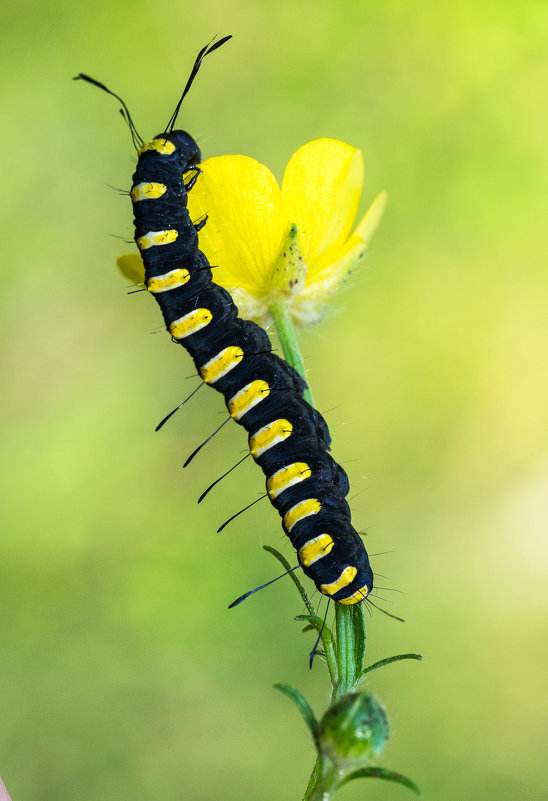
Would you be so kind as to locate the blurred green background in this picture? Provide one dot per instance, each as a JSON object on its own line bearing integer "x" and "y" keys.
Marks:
{"x": 122, "y": 675}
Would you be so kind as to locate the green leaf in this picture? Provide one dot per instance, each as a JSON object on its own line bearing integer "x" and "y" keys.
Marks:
{"x": 349, "y": 646}
{"x": 283, "y": 561}
{"x": 388, "y": 661}
{"x": 380, "y": 773}
{"x": 328, "y": 643}
{"x": 327, "y": 639}
{"x": 317, "y": 623}
{"x": 302, "y": 705}
{"x": 359, "y": 635}
{"x": 314, "y": 620}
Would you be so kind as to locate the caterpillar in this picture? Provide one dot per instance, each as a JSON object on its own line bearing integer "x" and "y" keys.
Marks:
{"x": 287, "y": 437}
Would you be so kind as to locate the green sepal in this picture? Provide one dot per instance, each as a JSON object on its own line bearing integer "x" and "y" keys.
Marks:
{"x": 380, "y": 773}
{"x": 388, "y": 661}
{"x": 289, "y": 273}
{"x": 302, "y": 705}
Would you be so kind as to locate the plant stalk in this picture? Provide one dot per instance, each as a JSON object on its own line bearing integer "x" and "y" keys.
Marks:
{"x": 288, "y": 341}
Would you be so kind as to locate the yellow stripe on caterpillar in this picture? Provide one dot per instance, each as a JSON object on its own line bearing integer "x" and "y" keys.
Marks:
{"x": 268, "y": 436}
{"x": 356, "y": 597}
{"x": 170, "y": 280}
{"x": 287, "y": 477}
{"x": 221, "y": 364}
{"x": 190, "y": 323}
{"x": 147, "y": 191}
{"x": 301, "y": 510}
{"x": 156, "y": 238}
{"x": 347, "y": 577}
{"x": 162, "y": 146}
{"x": 246, "y": 398}
{"x": 315, "y": 549}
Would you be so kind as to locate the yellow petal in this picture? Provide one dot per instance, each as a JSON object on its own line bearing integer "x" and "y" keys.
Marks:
{"x": 326, "y": 281}
{"x": 321, "y": 188}
{"x": 331, "y": 277}
{"x": 309, "y": 306}
{"x": 251, "y": 307}
{"x": 131, "y": 266}
{"x": 372, "y": 217}
{"x": 247, "y": 223}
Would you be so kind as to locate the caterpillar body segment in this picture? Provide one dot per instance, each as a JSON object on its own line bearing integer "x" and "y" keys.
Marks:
{"x": 288, "y": 439}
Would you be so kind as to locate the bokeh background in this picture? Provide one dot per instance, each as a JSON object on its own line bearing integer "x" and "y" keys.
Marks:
{"x": 122, "y": 675}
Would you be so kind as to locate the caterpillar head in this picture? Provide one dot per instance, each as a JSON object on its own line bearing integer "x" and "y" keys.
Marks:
{"x": 185, "y": 146}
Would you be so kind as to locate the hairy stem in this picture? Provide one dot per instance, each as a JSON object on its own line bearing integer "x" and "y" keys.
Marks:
{"x": 288, "y": 341}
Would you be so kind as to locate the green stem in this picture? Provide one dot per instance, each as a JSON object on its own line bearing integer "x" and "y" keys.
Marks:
{"x": 325, "y": 786}
{"x": 288, "y": 341}
{"x": 345, "y": 678}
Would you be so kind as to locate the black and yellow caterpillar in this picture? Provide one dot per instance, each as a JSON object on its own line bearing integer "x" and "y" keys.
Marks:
{"x": 288, "y": 438}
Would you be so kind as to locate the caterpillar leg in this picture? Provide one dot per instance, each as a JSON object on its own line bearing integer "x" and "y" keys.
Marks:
{"x": 199, "y": 225}
{"x": 192, "y": 180}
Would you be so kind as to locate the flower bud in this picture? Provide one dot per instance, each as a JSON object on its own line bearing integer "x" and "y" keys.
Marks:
{"x": 353, "y": 731}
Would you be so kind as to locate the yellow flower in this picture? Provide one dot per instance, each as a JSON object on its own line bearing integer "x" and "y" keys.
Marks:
{"x": 292, "y": 246}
